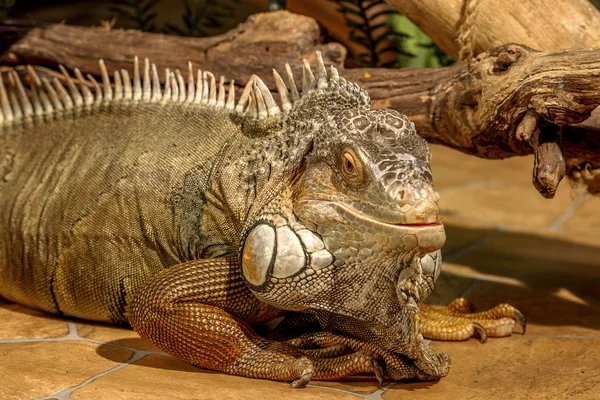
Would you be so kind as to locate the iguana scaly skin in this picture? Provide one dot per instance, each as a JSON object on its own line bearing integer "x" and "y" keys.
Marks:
{"x": 322, "y": 207}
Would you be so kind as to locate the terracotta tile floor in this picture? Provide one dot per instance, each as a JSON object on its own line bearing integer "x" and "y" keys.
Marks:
{"x": 505, "y": 244}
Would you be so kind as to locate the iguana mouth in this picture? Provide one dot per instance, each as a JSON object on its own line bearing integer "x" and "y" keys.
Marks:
{"x": 357, "y": 214}
{"x": 436, "y": 223}
{"x": 427, "y": 237}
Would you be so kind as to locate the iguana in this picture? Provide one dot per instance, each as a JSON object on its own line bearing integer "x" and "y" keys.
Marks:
{"x": 195, "y": 217}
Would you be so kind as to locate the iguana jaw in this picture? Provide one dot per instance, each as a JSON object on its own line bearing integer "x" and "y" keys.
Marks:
{"x": 430, "y": 236}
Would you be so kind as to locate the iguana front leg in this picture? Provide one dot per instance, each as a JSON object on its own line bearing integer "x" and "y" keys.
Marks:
{"x": 458, "y": 321}
{"x": 200, "y": 312}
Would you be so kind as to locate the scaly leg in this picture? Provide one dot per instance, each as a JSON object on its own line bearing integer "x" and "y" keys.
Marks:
{"x": 196, "y": 311}
{"x": 457, "y": 321}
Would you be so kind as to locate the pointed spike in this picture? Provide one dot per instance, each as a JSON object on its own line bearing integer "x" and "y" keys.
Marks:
{"x": 252, "y": 109}
{"x": 108, "y": 93}
{"x": 181, "y": 83}
{"x": 334, "y": 76}
{"x": 21, "y": 94}
{"x": 56, "y": 104}
{"x": 174, "y": 87}
{"x": 292, "y": 83}
{"x": 118, "y": 86}
{"x": 156, "y": 92}
{"x": 75, "y": 95}
{"x": 221, "y": 92}
{"x": 62, "y": 94}
{"x": 34, "y": 84}
{"x": 212, "y": 96}
{"x": 308, "y": 79}
{"x": 167, "y": 90}
{"x": 241, "y": 105}
{"x": 38, "y": 109}
{"x": 272, "y": 107}
{"x": 230, "y": 105}
{"x": 5, "y": 102}
{"x": 88, "y": 98}
{"x": 146, "y": 82}
{"x": 97, "y": 90}
{"x": 33, "y": 75}
{"x": 260, "y": 100}
{"x": 199, "y": 87}
{"x": 127, "y": 88}
{"x": 205, "y": 87}
{"x": 48, "y": 108}
{"x": 321, "y": 71}
{"x": 137, "y": 83}
{"x": 283, "y": 91}
{"x": 12, "y": 98}
{"x": 191, "y": 90}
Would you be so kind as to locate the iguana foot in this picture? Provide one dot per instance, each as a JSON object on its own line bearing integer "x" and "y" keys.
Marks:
{"x": 458, "y": 321}
{"x": 371, "y": 357}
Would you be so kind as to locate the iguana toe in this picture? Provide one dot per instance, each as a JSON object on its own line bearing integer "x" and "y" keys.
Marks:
{"x": 306, "y": 367}
{"x": 457, "y": 321}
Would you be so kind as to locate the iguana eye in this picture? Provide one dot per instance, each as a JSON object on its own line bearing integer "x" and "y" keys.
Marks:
{"x": 352, "y": 168}
{"x": 349, "y": 167}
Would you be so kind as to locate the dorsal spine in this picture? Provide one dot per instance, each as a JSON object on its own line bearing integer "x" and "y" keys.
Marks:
{"x": 49, "y": 98}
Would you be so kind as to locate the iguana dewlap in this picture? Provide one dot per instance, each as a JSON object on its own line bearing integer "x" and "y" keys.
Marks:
{"x": 320, "y": 206}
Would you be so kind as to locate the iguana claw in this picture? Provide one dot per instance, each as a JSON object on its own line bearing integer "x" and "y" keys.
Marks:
{"x": 306, "y": 376}
{"x": 379, "y": 370}
{"x": 521, "y": 320}
{"x": 457, "y": 321}
{"x": 480, "y": 330}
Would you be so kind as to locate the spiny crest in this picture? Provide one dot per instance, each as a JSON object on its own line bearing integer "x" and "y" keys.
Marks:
{"x": 51, "y": 97}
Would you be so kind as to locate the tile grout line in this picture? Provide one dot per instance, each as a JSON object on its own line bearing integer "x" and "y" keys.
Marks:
{"x": 66, "y": 393}
{"x": 344, "y": 391}
{"x": 376, "y": 395}
{"x": 568, "y": 213}
{"x": 73, "y": 335}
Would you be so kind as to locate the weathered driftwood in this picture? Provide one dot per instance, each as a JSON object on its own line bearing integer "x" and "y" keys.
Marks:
{"x": 509, "y": 101}
{"x": 261, "y": 43}
{"x": 542, "y": 25}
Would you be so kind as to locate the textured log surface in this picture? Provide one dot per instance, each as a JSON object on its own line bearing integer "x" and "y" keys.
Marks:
{"x": 509, "y": 101}
{"x": 542, "y": 25}
{"x": 264, "y": 41}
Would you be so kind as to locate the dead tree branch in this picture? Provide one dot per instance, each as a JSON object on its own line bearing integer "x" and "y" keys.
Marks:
{"x": 492, "y": 23}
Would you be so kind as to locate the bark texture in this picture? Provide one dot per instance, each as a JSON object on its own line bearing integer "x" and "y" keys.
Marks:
{"x": 263, "y": 42}
{"x": 509, "y": 101}
{"x": 539, "y": 24}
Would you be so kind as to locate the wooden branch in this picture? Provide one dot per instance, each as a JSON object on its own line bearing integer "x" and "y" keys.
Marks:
{"x": 509, "y": 101}
{"x": 534, "y": 23}
{"x": 263, "y": 42}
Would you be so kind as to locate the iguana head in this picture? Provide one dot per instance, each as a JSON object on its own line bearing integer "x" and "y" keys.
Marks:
{"x": 353, "y": 234}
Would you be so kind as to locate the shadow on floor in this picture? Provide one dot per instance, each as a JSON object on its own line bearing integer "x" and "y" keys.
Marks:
{"x": 559, "y": 279}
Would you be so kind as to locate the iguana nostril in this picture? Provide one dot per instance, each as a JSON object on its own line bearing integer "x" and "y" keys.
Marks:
{"x": 402, "y": 198}
{"x": 414, "y": 195}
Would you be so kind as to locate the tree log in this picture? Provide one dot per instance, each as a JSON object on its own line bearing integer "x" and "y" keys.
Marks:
{"x": 539, "y": 24}
{"x": 263, "y": 42}
{"x": 509, "y": 101}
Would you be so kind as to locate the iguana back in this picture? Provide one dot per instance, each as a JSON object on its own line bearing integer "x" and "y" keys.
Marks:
{"x": 92, "y": 187}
